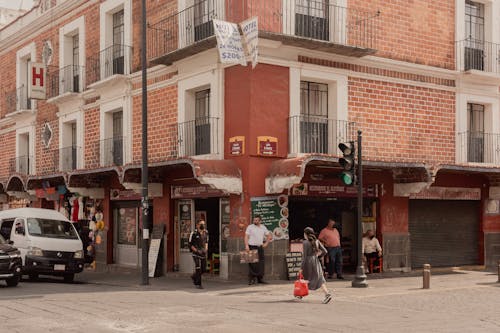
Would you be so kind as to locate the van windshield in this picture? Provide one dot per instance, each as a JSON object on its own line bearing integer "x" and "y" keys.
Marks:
{"x": 51, "y": 228}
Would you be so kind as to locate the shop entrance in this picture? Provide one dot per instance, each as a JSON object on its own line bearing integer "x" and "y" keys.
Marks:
{"x": 188, "y": 212}
{"x": 127, "y": 233}
{"x": 314, "y": 213}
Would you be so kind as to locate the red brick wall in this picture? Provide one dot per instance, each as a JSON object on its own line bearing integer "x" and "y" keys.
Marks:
{"x": 415, "y": 31}
{"x": 162, "y": 125}
{"x": 403, "y": 123}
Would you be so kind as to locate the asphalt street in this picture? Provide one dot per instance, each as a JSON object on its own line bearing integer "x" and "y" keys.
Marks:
{"x": 460, "y": 301}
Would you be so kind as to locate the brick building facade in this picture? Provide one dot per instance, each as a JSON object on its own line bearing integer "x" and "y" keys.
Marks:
{"x": 420, "y": 79}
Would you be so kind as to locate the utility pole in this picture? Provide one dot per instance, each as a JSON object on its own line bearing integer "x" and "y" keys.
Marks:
{"x": 144, "y": 168}
{"x": 360, "y": 278}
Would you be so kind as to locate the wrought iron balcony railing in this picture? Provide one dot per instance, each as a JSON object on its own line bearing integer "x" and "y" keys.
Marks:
{"x": 69, "y": 157}
{"x": 113, "y": 151}
{"x": 69, "y": 79}
{"x": 116, "y": 59}
{"x": 478, "y": 147}
{"x": 199, "y": 137}
{"x": 17, "y": 100}
{"x": 21, "y": 164}
{"x": 318, "y": 135}
{"x": 291, "y": 21}
{"x": 473, "y": 54}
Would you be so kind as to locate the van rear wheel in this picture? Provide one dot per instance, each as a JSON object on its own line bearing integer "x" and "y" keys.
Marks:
{"x": 68, "y": 278}
{"x": 33, "y": 277}
{"x": 13, "y": 281}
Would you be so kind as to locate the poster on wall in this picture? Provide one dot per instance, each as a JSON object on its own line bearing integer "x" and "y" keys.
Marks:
{"x": 225, "y": 211}
{"x": 127, "y": 226}
{"x": 274, "y": 214}
{"x": 185, "y": 223}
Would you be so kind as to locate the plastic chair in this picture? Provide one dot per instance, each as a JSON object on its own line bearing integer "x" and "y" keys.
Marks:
{"x": 373, "y": 266}
{"x": 214, "y": 263}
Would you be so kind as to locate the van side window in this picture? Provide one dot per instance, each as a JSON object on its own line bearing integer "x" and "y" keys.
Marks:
{"x": 5, "y": 228}
{"x": 19, "y": 227}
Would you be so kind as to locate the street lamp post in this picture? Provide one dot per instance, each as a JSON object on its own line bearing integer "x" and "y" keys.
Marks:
{"x": 360, "y": 278}
{"x": 144, "y": 167}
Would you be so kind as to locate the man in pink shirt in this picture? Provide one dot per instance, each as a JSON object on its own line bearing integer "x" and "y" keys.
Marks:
{"x": 330, "y": 238}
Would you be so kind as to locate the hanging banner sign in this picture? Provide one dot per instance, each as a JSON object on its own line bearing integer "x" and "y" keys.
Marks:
{"x": 229, "y": 43}
{"x": 250, "y": 29}
{"x": 37, "y": 81}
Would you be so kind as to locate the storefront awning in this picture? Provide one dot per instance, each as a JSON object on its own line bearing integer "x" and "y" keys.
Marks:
{"x": 37, "y": 182}
{"x": 285, "y": 173}
{"x": 95, "y": 178}
{"x": 16, "y": 183}
{"x": 219, "y": 174}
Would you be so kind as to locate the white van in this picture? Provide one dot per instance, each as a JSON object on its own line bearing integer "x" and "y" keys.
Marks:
{"x": 48, "y": 241}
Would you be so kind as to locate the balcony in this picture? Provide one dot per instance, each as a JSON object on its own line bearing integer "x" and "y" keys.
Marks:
{"x": 199, "y": 137}
{"x": 69, "y": 157}
{"x": 478, "y": 147}
{"x": 17, "y": 100}
{"x": 21, "y": 164}
{"x": 113, "y": 151}
{"x": 114, "y": 60}
{"x": 318, "y": 135}
{"x": 65, "y": 81}
{"x": 312, "y": 25}
{"x": 478, "y": 57}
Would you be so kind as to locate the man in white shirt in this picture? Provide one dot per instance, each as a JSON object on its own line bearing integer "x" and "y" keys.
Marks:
{"x": 257, "y": 237}
{"x": 371, "y": 247}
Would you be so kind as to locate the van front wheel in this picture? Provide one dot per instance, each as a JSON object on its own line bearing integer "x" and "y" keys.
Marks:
{"x": 12, "y": 282}
{"x": 68, "y": 278}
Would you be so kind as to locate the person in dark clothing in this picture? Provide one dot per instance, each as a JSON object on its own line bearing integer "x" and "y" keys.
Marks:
{"x": 198, "y": 243}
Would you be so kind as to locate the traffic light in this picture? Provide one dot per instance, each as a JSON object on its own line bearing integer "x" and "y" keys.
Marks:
{"x": 347, "y": 162}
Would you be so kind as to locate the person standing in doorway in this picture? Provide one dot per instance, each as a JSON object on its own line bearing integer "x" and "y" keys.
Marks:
{"x": 311, "y": 266}
{"x": 198, "y": 243}
{"x": 330, "y": 237}
{"x": 257, "y": 237}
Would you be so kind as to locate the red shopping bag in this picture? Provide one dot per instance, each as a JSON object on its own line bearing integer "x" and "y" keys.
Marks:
{"x": 301, "y": 288}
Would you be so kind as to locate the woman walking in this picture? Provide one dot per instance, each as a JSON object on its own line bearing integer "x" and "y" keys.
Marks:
{"x": 311, "y": 265}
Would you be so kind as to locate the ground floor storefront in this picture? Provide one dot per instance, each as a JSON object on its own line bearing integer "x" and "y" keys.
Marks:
{"x": 451, "y": 220}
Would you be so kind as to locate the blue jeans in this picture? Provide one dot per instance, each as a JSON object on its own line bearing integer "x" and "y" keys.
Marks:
{"x": 335, "y": 256}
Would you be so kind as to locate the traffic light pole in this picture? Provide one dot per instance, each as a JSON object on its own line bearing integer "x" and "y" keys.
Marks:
{"x": 144, "y": 165}
{"x": 360, "y": 278}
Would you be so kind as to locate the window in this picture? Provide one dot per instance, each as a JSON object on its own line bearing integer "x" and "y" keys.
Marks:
{"x": 24, "y": 154}
{"x": 476, "y": 137}
{"x": 117, "y": 140}
{"x": 204, "y": 11}
{"x": 76, "y": 63}
{"x": 313, "y": 117}
{"x": 474, "y": 32}
{"x": 72, "y": 58}
{"x": 202, "y": 122}
{"x": 118, "y": 43}
{"x": 312, "y": 19}
{"x": 69, "y": 154}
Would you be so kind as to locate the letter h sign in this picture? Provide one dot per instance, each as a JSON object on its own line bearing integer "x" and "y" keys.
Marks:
{"x": 37, "y": 81}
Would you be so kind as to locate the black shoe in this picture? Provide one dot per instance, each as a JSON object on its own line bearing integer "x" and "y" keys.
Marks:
{"x": 340, "y": 277}
{"x": 329, "y": 277}
{"x": 251, "y": 281}
{"x": 328, "y": 298}
{"x": 199, "y": 286}
{"x": 262, "y": 282}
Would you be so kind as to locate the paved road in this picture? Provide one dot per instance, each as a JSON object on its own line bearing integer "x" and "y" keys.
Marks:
{"x": 465, "y": 301}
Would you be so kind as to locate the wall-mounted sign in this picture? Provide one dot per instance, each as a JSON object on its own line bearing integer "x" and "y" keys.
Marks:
{"x": 237, "y": 145}
{"x": 448, "y": 193}
{"x": 37, "y": 81}
{"x": 186, "y": 192}
{"x": 331, "y": 190}
{"x": 267, "y": 146}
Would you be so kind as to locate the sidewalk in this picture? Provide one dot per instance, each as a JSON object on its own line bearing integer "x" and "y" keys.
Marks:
{"x": 378, "y": 284}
